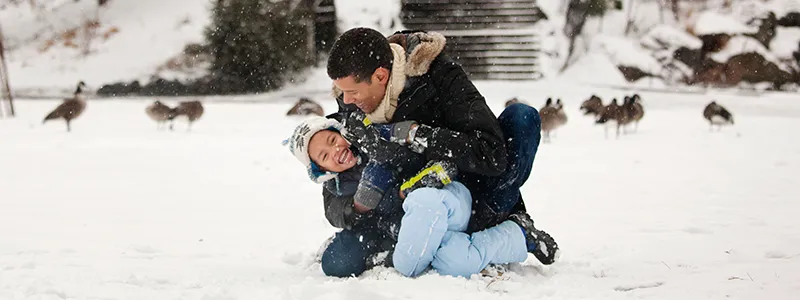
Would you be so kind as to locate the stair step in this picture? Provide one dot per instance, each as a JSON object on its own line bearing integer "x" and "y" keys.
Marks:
{"x": 490, "y": 39}
{"x": 494, "y": 61}
{"x": 505, "y": 76}
{"x": 467, "y": 6}
{"x": 503, "y": 53}
{"x": 473, "y": 2}
{"x": 526, "y": 19}
{"x": 464, "y": 47}
{"x": 473, "y": 40}
{"x": 471, "y": 13}
{"x": 517, "y": 69}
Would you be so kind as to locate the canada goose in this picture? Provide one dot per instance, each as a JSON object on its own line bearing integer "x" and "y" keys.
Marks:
{"x": 71, "y": 108}
{"x": 159, "y": 112}
{"x": 513, "y": 101}
{"x": 717, "y": 115}
{"x": 193, "y": 110}
{"x": 306, "y": 106}
{"x": 611, "y": 115}
{"x": 550, "y": 119}
{"x": 561, "y": 115}
{"x": 635, "y": 109}
{"x": 592, "y": 106}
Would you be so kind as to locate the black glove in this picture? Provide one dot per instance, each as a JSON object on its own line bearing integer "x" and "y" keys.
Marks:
{"x": 436, "y": 174}
{"x": 399, "y": 132}
{"x": 359, "y": 131}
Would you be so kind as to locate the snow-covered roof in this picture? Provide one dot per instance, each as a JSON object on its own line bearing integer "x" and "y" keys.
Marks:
{"x": 710, "y": 22}
{"x": 670, "y": 36}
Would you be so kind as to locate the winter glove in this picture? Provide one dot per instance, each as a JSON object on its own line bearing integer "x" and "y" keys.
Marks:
{"x": 376, "y": 179}
{"x": 400, "y": 132}
{"x": 436, "y": 174}
{"x": 360, "y": 131}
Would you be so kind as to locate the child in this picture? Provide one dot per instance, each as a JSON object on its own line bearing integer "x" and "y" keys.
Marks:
{"x": 435, "y": 211}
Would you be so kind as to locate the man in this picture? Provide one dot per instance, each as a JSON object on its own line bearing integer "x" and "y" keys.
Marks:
{"x": 429, "y": 107}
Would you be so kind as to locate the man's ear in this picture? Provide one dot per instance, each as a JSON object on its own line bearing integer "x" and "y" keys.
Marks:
{"x": 381, "y": 75}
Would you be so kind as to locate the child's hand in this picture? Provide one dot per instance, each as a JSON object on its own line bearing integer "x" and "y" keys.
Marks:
{"x": 376, "y": 179}
{"x": 436, "y": 174}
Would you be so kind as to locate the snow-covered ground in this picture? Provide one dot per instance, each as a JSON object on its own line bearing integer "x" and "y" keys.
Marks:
{"x": 119, "y": 210}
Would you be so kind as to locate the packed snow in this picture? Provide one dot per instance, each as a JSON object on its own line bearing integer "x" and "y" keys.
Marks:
{"x": 120, "y": 210}
{"x": 665, "y": 36}
{"x": 625, "y": 52}
{"x": 785, "y": 42}
{"x": 710, "y": 22}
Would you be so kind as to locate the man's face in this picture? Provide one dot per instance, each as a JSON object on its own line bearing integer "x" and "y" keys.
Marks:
{"x": 366, "y": 95}
{"x": 329, "y": 150}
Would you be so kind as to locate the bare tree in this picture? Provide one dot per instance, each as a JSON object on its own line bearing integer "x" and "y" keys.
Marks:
{"x": 675, "y": 9}
{"x": 5, "y": 88}
{"x": 631, "y": 16}
{"x": 577, "y": 13}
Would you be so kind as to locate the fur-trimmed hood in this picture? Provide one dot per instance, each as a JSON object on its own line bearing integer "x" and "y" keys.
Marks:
{"x": 421, "y": 49}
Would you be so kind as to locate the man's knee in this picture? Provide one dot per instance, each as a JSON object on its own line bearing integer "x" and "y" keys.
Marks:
{"x": 520, "y": 116}
{"x": 345, "y": 256}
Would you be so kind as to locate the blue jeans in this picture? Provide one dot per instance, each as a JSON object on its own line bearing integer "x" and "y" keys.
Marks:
{"x": 348, "y": 252}
{"x": 495, "y": 197}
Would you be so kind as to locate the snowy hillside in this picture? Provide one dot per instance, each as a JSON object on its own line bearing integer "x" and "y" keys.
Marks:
{"x": 119, "y": 210}
{"x": 132, "y": 39}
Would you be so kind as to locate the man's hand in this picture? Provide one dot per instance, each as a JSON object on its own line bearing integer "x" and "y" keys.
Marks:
{"x": 400, "y": 132}
{"x": 436, "y": 174}
{"x": 360, "y": 131}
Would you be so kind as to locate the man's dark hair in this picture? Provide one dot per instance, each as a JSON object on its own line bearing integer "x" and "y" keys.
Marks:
{"x": 359, "y": 52}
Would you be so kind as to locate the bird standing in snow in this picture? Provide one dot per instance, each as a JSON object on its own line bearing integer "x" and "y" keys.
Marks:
{"x": 717, "y": 115}
{"x": 553, "y": 117}
{"x": 159, "y": 112}
{"x": 612, "y": 115}
{"x": 634, "y": 109}
{"x": 592, "y": 106}
{"x": 71, "y": 108}
{"x": 193, "y": 110}
{"x": 305, "y": 107}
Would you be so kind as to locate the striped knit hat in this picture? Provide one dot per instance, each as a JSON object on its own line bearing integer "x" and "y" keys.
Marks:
{"x": 298, "y": 145}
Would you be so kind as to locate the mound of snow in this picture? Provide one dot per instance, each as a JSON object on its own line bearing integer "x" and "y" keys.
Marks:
{"x": 594, "y": 68}
{"x": 785, "y": 42}
{"x": 742, "y": 44}
{"x": 745, "y": 11}
{"x": 625, "y": 52}
{"x": 133, "y": 38}
{"x": 669, "y": 36}
{"x": 782, "y": 7}
{"x": 710, "y": 22}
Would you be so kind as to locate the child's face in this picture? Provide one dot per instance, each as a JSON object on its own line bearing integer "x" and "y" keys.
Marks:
{"x": 329, "y": 150}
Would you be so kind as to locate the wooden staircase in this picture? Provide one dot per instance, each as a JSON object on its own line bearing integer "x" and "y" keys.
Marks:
{"x": 491, "y": 39}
